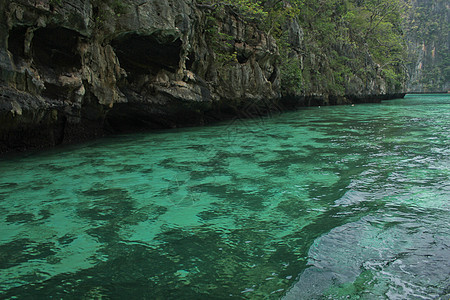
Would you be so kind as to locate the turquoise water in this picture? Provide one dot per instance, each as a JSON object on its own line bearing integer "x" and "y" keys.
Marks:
{"x": 321, "y": 203}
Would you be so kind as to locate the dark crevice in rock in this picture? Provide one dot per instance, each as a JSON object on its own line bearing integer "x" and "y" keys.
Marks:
{"x": 54, "y": 91}
{"x": 16, "y": 43}
{"x": 47, "y": 132}
{"x": 190, "y": 59}
{"x": 241, "y": 58}
{"x": 147, "y": 54}
{"x": 56, "y": 48}
{"x": 131, "y": 117}
{"x": 144, "y": 117}
{"x": 95, "y": 12}
{"x": 92, "y": 110}
{"x": 273, "y": 76}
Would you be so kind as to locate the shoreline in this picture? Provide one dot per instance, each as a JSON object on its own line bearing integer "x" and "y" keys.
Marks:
{"x": 24, "y": 145}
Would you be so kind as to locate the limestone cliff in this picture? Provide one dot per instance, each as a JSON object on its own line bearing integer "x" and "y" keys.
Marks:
{"x": 335, "y": 72}
{"x": 74, "y": 69}
{"x": 427, "y": 30}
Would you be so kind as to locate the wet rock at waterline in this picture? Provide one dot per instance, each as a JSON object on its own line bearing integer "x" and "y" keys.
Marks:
{"x": 75, "y": 70}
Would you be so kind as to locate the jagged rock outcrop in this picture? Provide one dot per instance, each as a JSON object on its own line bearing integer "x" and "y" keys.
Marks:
{"x": 71, "y": 70}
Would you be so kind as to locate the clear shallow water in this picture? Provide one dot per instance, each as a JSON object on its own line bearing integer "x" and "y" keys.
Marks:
{"x": 321, "y": 203}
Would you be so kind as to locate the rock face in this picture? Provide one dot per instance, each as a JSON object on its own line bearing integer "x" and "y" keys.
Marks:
{"x": 427, "y": 32}
{"x": 363, "y": 81}
{"x": 72, "y": 70}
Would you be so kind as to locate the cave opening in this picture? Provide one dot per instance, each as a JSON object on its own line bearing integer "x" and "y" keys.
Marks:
{"x": 56, "y": 48}
{"x": 241, "y": 58}
{"x": 273, "y": 76}
{"x": 147, "y": 54}
{"x": 54, "y": 91}
{"x": 16, "y": 43}
{"x": 190, "y": 59}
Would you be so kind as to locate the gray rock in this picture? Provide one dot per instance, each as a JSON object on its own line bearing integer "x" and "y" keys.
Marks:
{"x": 76, "y": 70}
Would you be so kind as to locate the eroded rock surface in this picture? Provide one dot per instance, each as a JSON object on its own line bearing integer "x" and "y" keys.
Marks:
{"x": 72, "y": 70}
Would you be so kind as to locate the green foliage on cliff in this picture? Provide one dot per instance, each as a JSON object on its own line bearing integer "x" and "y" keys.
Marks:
{"x": 219, "y": 42}
{"x": 119, "y": 7}
{"x": 348, "y": 33}
{"x": 291, "y": 76}
{"x": 427, "y": 29}
{"x": 249, "y": 8}
{"x": 55, "y": 2}
{"x": 344, "y": 36}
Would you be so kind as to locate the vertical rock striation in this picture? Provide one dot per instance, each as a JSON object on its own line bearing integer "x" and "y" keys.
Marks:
{"x": 427, "y": 30}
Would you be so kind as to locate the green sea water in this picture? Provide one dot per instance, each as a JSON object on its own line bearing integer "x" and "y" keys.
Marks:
{"x": 321, "y": 203}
